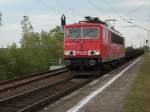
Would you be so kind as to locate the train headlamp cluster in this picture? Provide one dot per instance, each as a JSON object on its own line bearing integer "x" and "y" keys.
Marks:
{"x": 69, "y": 53}
{"x": 93, "y": 53}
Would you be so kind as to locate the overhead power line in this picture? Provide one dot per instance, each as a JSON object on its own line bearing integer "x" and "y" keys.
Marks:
{"x": 128, "y": 13}
{"x": 143, "y": 28}
{"x": 136, "y": 25}
{"x": 135, "y": 9}
{"x": 99, "y": 9}
{"x": 42, "y": 2}
{"x": 65, "y": 7}
{"x": 121, "y": 17}
{"x": 110, "y": 7}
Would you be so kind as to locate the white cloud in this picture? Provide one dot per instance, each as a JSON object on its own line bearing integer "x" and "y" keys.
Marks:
{"x": 134, "y": 3}
{"x": 9, "y": 34}
{"x": 12, "y": 32}
{"x": 8, "y": 1}
{"x": 44, "y": 20}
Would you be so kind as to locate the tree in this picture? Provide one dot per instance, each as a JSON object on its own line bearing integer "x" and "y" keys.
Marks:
{"x": 57, "y": 37}
{"x": 27, "y": 31}
{"x": 26, "y": 25}
{"x": 35, "y": 54}
{"x": 3, "y": 63}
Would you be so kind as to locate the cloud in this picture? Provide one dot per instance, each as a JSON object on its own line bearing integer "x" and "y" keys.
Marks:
{"x": 134, "y": 3}
{"x": 8, "y": 2}
{"x": 45, "y": 18}
{"x": 44, "y": 21}
{"x": 9, "y": 34}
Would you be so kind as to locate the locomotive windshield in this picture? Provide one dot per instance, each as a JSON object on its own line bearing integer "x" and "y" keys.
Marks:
{"x": 74, "y": 33}
{"x": 90, "y": 32}
{"x": 82, "y": 32}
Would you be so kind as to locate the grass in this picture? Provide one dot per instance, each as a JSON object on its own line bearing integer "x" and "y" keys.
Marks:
{"x": 138, "y": 98}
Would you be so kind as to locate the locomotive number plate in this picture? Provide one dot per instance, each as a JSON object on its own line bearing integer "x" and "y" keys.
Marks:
{"x": 82, "y": 52}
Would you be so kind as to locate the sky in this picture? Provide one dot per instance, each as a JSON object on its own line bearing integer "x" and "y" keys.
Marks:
{"x": 45, "y": 15}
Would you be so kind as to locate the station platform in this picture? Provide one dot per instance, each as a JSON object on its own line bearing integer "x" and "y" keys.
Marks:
{"x": 104, "y": 94}
{"x": 55, "y": 67}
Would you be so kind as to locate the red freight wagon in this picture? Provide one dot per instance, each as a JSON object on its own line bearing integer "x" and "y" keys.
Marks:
{"x": 91, "y": 43}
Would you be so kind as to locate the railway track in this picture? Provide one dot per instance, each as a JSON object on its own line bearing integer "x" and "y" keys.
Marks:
{"x": 37, "y": 97}
{"x": 31, "y": 100}
{"x": 12, "y": 87}
{"x": 18, "y": 81}
{"x": 28, "y": 78}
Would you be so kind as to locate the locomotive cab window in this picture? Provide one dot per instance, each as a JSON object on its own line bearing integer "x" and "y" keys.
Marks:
{"x": 90, "y": 33}
{"x": 74, "y": 33}
{"x": 82, "y": 33}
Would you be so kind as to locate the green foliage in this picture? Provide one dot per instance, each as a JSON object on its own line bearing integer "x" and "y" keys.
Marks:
{"x": 138, "y": 98}
{"x": 26, "y": 25}
{"x": 35, "y": 54}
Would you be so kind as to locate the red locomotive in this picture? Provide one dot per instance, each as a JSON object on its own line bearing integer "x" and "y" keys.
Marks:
{"x": 92, "y": 44}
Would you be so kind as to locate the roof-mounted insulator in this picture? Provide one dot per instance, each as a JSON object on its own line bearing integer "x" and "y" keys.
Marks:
{"x": 89, "y": 19}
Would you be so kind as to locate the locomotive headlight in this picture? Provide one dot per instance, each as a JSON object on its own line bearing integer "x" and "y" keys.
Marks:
{"x": 69, "y": 53}
{"x": 66, "y": 52}
{"x": 97, "y": 52}
{"x": 93, "y": 52}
